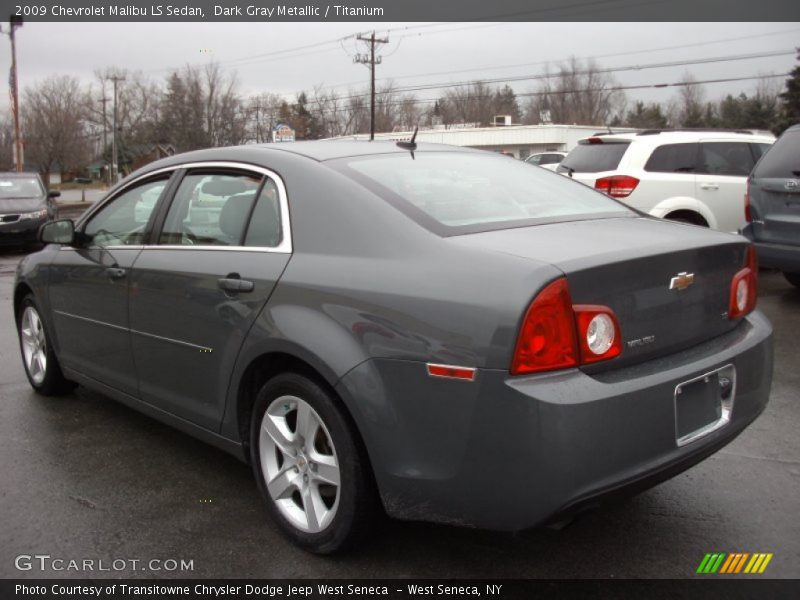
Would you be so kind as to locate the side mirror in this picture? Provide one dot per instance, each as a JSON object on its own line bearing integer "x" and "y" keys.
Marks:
{"x": 58, "y": 232}
{"x": 53, "y": 194}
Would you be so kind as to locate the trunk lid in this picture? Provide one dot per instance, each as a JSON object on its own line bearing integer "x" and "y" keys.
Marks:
{"x": 628, "y": 264}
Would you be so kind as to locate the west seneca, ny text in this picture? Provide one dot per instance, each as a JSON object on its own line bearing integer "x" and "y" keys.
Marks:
{"x": 282, "y": 11}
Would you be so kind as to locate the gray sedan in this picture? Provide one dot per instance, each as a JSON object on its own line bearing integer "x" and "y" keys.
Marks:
{"x": 436, "y": 333}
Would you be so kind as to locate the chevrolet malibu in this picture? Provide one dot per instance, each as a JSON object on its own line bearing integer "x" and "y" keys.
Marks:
{"x": 438, "y": 333}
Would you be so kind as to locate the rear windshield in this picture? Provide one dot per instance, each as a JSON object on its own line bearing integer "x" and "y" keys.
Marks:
{"x": 594, "y": 158}
{"x": 782, "y": 160}
{"x": 452, "y": 193}
{"x": 20, "y": 187}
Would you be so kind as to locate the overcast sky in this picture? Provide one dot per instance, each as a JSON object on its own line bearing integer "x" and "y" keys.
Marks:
{"x": 417, "y": 53}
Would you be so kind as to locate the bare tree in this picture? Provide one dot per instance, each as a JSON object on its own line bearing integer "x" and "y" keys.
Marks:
{"x": 263, "y": 110}
{"x": 202, "y": 108}
{"x": 579, "y": 93}
{"x": 53, "y": 124}
{"x": 6, "y": 142}
{"x": 468, "y": 104}
{"x": 689, "y": 108}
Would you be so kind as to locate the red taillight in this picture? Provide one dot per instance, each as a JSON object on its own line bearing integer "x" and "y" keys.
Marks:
{"x": 598, "y": 333}
{"x": 547, "y": 339}
{"x": 616, "y": 186}
{"x": 556, "y": 335}
{"x": 744, "y": 287}
{"x": 748, "y": 216}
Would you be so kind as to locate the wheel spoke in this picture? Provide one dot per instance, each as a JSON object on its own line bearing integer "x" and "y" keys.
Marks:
{"x": 327, "y": 469}
{"x": 313, "y": 506}
{"x": 283, "y": 484}
{"x": 276, "y": 429}
{"x": 27, "y": 336}
{"x": 40, "y": 360}
{"x": 306, "y": 425}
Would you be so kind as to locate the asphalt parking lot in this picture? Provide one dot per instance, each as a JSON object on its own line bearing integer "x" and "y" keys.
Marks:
{"x": 86, "y": 478}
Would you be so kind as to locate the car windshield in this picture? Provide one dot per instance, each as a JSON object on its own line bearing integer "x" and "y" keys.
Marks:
{"x": 453, "y": 193}
{"x": 593, "y": 157}
{"x": 19, "y": 187}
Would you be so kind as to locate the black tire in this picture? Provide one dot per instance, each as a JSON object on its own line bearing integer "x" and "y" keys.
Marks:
{"x": 355, "y": 507}
{"x": 793, "y": 278}
{"x": 686, "y": 220}
{"x": 50, "y": 380}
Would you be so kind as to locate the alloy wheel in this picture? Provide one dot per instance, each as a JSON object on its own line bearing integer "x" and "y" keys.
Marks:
{"x": 34, "y": 345}
{"x": 299, "y": 464}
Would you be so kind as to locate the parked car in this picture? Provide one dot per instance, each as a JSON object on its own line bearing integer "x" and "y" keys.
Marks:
{"x": 548, "y": 160}
{"x": 693, "y": 176}
{"x": 772, "y": 206}
{"x": 439, "y": 332}
{"x": 24, "y": 206}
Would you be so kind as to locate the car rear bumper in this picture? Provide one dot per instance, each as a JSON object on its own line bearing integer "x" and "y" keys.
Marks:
{"x": 784, "y": 257}
{"x": 20, "y": 232}
{"x": 508, "y": 453}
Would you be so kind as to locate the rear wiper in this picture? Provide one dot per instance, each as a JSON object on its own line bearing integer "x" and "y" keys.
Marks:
{"x": 797, "y": 173}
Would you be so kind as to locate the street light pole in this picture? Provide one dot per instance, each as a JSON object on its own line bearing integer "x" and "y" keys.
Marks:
{"x": 114, "y": 163}
{"x": 15, "y": 22}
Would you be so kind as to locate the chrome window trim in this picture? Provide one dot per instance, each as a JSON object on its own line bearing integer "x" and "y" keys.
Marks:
{"x": 285, "y": 247}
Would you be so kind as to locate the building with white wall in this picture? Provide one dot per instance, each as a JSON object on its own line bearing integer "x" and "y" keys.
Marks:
{"x": 519, "y": 140}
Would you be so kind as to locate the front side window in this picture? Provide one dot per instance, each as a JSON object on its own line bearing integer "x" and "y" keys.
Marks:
{"x": 211, "y": 209}
{"x": 725, "y": 158}
{"x": 452, "y": 193}
{"x": 123, "y": 221}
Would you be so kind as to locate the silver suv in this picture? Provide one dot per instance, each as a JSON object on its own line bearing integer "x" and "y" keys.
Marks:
{"x": 772, "y": 206}
{"x": 694, "y": 176}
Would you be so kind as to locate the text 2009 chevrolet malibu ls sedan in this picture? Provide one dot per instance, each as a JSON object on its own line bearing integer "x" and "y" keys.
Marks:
{"x": 442, "y": 332}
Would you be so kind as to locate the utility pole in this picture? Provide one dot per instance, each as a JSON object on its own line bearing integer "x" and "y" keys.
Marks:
{"x": 104, "y": 100}
{"x": 369, "y": 59}
{"x": 114, "y": 164}
{"x": 15, "y": 22}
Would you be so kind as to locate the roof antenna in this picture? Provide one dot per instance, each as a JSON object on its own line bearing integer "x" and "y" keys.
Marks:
{"x": 410, "y": 145}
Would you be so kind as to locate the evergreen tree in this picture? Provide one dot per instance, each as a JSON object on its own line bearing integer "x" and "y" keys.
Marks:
{"x": 790, "y": 100}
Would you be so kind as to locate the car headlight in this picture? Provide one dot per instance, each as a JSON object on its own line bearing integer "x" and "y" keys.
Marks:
{"x": 33, "y": 216}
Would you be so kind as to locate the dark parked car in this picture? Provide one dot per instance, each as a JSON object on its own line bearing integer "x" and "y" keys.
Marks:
{"x": 440, "y": 332}
{"x": 24, "y": 206}
{"x": 772, "y": 206}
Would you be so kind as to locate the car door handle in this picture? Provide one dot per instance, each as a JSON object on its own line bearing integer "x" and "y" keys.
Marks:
{"x": 230, "y": 284}
{"x": 116, "y": 272}
{"x": 709, "y": 186}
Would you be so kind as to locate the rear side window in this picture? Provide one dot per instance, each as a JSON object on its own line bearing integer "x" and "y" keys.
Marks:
{"x": 452, "y": 193}
{"x": 594, "y": 158}
{"x": 725, "y": 158}
{"x": 210, "y": 210}
{"x": 783, "y": 159}
{"x": 672, "y": 158}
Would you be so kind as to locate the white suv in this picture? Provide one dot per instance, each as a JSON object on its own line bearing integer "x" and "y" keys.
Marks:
{"x": 695, "y": 176}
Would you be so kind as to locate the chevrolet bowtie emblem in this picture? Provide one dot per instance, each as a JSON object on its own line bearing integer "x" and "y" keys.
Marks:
{"x": 681, "y": 281}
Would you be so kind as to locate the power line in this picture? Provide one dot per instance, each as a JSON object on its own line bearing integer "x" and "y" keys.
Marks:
{"x": 596, "y": 56}
{"x": 717, "y": 59}
{"x": 586, "y": 90}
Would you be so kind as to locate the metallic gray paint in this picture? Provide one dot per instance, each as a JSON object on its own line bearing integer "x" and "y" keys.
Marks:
{"x": 367, "y": 298}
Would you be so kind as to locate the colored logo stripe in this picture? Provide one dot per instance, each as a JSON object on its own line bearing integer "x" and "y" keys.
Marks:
{"x": 720, "y": 562}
